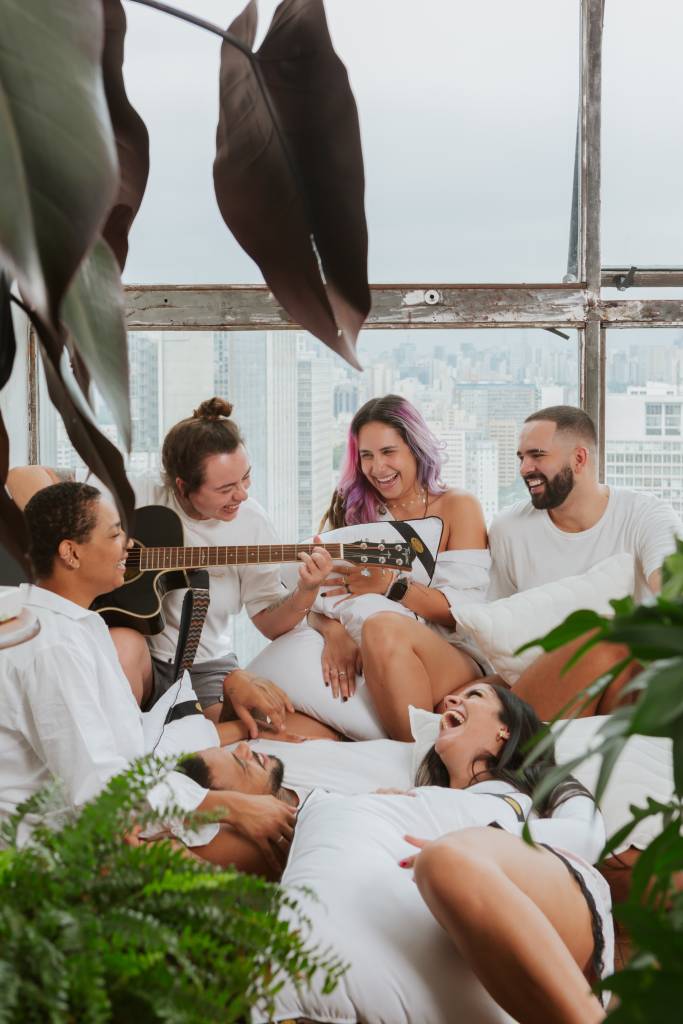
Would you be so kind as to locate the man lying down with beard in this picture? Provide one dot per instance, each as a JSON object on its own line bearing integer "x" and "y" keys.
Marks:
{"x": 291, "y": 771}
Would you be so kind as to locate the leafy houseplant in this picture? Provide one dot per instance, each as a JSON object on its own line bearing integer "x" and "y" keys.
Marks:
{"x": 95, "y": 930}
{"x": 650, "y": 987}
{"x": 74, "y": 161}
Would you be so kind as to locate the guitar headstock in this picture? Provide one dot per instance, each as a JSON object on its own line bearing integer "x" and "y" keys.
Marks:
{"x": 395, "y": 554}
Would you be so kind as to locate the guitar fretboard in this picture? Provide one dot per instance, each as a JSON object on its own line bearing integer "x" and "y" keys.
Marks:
{"x": 198, "y": 558}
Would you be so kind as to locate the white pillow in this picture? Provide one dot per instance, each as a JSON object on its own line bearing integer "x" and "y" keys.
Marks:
{"x": 293, "y": 662}
{"x": 502, "y": 626}
{"x": 428, "y": 532}
{"x": 342, "y": 767}
{"x": 366, "y": 909}
{"x": 645, "y": 768}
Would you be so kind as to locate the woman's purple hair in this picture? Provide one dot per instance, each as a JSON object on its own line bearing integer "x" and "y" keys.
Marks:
{"x": 361, "y": 501}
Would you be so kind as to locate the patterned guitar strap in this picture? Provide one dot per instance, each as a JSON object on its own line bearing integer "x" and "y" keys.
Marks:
{"x": 193, "y": 616}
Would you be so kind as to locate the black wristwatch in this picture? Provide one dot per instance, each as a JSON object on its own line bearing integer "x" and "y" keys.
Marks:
{"x": 398, "y": 590}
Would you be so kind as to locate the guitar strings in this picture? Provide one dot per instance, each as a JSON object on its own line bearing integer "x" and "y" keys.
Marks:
{"x": 379, "y": 548}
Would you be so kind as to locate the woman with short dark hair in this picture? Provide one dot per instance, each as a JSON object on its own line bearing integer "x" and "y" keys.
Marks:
{"x": 67, "y": 711}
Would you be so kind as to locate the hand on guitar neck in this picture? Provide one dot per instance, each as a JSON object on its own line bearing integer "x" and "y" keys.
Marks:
{"x": 159, "y": 560}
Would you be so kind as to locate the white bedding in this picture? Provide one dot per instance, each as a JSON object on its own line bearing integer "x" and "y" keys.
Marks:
{"x": 404, "y": 970}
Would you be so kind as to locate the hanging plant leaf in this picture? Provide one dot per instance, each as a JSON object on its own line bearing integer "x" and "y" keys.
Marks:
{"x": 13, "y": 532}
{"x": 58, "y": 166}
{"x": 93, "y": 311}
{"x": 130, "y": 132}
{"x": 99, "y": 454}
{"x": 8, "y": 343}
{"x": 288, "y": 171}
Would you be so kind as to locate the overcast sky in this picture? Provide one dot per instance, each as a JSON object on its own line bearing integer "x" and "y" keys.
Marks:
{"x": 468, "y": 114}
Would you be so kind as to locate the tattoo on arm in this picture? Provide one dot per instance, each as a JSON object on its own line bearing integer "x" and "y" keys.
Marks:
{"x": 277, "y": 604}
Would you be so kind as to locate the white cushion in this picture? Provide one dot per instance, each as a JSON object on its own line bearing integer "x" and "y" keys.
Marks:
{"x": 403, "y": 968}
{"x": 182, "y": 736}
{"x": 293, "y": 662}
{"x": 501, "y": 627}
{"x": 342, "y": 767}
{"x": 428, "y": 531}
{"x": 645, "y": 768}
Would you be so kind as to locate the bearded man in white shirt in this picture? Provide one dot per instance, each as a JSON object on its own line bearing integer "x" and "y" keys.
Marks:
{"x": 571, "y": 522}
{"x": 66, "y": 707}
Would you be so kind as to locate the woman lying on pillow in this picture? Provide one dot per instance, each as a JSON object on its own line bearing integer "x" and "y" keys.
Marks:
{"x": 392, "y": 471}
{"x": 534, "y": 923}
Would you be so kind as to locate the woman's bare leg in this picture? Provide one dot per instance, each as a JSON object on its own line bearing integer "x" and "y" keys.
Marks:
{"x": 548, "y": 688}
{"x": 518, "y": 918}
{"x": 135, "y": 660}
{"x": 406, "y": 662}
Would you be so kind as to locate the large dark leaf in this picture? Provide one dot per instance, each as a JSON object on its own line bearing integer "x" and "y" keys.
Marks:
{"x": 130, "y": 132}
{"x": 58, "y": 160}
{"x": 93, "y": 310}
{"x": 13, "y": 532}
{"x": 97, "y": 451}
{"x": 289, "y": 170}
{"x": 8, "y": 344}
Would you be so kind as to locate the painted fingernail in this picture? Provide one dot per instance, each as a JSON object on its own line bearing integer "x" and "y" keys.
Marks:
{"x": 403, "y": 863}
{"x": 345, "y": 699}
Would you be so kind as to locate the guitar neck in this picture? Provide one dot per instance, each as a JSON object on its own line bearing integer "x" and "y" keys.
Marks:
{"x": 202, "y": 558}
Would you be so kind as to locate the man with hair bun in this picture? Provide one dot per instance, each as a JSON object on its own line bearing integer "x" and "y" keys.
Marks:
{"x": 570, "y": 523}
{"x": 205, "y": 480}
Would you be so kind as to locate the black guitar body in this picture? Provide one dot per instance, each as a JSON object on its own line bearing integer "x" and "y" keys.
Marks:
{"x": 138, "y": 603}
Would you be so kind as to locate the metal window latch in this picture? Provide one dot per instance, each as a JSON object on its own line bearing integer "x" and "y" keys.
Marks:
{"x": 624, "y": 281}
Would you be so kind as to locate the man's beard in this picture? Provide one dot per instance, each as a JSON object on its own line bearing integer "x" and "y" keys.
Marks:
{"x": 277, "y": 774}
{"x": 555, "y": 491}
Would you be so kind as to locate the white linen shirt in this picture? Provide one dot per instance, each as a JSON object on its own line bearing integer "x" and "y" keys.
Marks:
{"x": 67, "y": 710}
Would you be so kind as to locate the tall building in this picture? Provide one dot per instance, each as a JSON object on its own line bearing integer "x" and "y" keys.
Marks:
{"x": 143, "y": 356}
{"x": 454, "y": 470}
{"x": 481, "y": 474}
{"x": 643, "y": 430}
{"x": 261, "y": 384}
{"x": 506, "y": 435}
{"x": 315, "y": 442}
{"x": 186, "y": 374}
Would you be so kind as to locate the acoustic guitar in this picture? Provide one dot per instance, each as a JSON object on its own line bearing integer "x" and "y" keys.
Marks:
{"x": 158, "y": 562}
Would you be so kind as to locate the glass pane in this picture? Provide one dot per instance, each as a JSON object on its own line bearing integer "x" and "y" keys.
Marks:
{"x": 642, "y": 140}
{"x": 292, "y": 395}
{"x": 644, "y": 424}
{"x": 294, "y": 401}
{"x": 468, "y": 116}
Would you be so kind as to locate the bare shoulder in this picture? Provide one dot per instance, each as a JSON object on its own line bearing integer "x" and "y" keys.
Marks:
{"x": 463, "y": 519}
{"x": 24, "y": 481}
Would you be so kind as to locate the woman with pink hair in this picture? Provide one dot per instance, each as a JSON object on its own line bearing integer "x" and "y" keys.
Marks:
{"x": 410, "y": 653}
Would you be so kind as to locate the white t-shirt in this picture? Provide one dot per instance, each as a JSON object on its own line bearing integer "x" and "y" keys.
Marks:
{"x": 528, "y": 550}
{"x": 253, "y": 586}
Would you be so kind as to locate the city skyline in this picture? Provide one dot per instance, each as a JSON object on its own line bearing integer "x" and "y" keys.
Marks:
{"x": 294, "y": 402}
